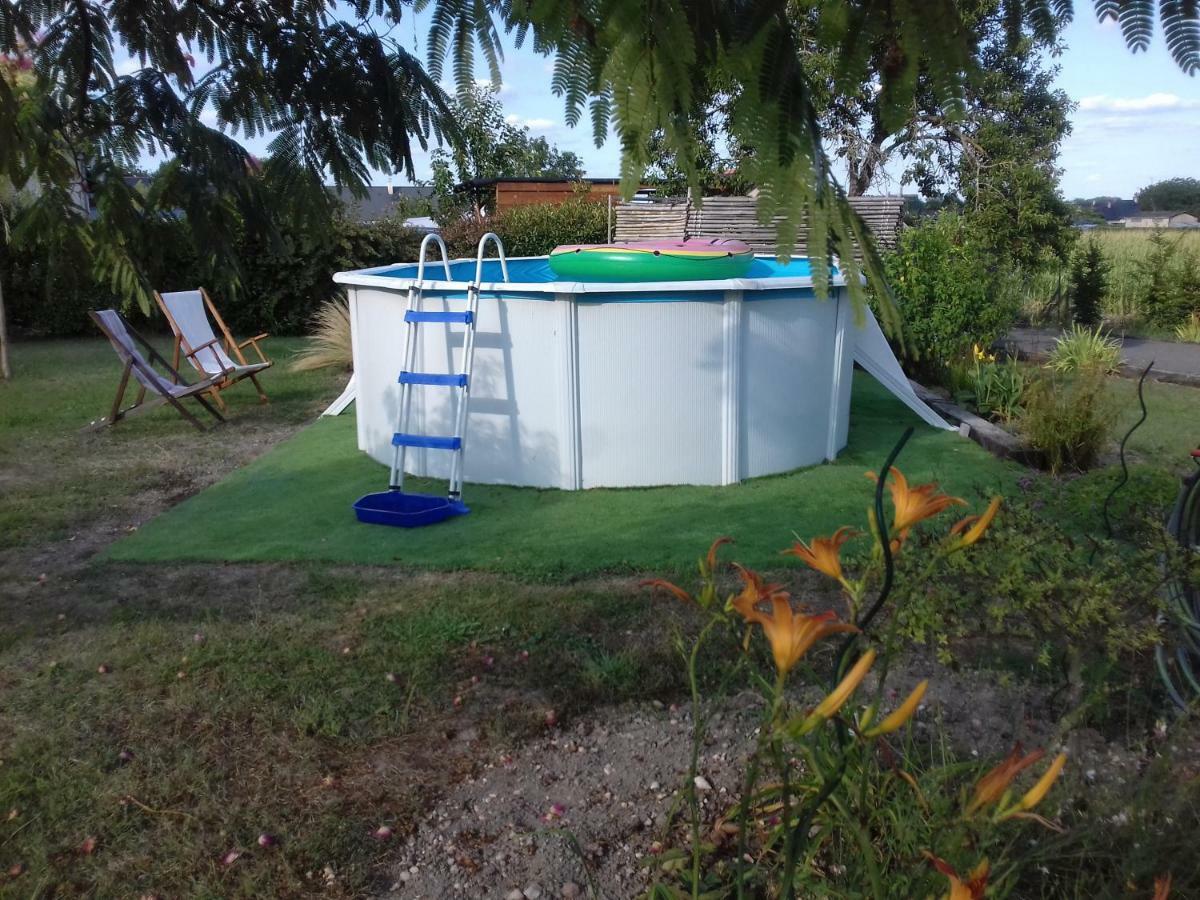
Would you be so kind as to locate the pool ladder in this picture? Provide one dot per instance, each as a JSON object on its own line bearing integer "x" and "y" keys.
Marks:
{"x": 415, "y": 317}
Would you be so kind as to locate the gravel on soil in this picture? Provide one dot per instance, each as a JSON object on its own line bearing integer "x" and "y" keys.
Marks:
{"x": 583, "y": 811}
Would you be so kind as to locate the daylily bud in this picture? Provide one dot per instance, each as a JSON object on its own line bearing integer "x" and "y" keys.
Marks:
{"x": 837, "y": 698}
{"x": 972, "y": 528}
{"x": 903, "y": 713}
{"x": 1035, "y": 794}
{"x": 991, "y": 787}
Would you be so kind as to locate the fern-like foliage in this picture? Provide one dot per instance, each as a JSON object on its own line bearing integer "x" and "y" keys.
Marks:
{"x": 340, "y": 97}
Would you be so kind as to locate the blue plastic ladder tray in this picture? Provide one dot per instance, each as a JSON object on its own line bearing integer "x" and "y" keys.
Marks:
{"x": 403, "y": 510}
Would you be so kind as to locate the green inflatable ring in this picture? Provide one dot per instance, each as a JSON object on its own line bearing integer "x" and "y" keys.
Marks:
{"x": 692, "y": 260}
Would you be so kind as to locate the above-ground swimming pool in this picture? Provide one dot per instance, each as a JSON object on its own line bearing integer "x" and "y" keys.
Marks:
{"x": 613, "y": 384}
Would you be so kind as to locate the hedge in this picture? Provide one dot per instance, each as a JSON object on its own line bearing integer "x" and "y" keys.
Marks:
{"x": 281, "y": 287}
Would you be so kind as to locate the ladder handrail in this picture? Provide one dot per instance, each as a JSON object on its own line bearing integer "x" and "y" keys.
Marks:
{"x": 495, "y": 238}
{"x": 396, "y": 481}
{"x": 460, "y": 418}
{"x": 437, "y": 239}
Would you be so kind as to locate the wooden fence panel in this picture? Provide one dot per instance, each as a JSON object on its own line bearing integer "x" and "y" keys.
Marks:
{"x": 737, "y": 217}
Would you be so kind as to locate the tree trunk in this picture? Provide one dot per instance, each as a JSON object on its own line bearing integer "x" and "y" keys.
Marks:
{"x": 5, "y": 370}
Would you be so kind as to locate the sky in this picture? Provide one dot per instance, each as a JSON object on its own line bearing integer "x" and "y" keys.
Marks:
{"x": 1138, "y": 115}
{"x": 1137, "y": 118}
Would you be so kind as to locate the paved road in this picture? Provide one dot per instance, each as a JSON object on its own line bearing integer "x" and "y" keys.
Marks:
{"x": 1172, "y": 361}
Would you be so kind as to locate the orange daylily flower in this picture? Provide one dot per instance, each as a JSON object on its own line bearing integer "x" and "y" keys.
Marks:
{"x": 673, "y": 589}
{"x": 972, "y": 528}
{"x": 902, "y": 713}
{"x": 754, "y": 591}
{"x": 824, "y": 553}
{"x": 973, "y": 888}
{"x": 914, "y": 504}
{"x": 1162, "y": 887}
{"x": 789, "y": 633}
{"x": 993, "y": 785}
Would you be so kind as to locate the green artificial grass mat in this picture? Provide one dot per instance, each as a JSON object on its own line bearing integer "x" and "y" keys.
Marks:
{"x": 294, "y": 504}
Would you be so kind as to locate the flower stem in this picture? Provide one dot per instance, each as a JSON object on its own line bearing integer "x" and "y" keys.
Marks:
{"x": 698, "y": 723}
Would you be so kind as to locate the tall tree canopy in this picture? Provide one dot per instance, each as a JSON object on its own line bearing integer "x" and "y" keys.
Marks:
{"x": 1008, "y": 94}
{"x": 343, "y": 97}
{"x": 1172, "y": 195}
{"x": 489, "y": 145}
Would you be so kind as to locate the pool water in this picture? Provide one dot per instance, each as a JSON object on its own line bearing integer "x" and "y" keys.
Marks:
{"x": 536, "y": 270}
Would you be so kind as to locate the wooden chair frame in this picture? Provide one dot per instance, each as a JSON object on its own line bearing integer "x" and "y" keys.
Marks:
{"x": 195, "y": 391}
{"x": 183, "y": 349}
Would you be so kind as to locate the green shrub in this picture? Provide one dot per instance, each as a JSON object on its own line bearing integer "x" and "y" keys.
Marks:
{"x": 951, "y": 298}
{"x": 532, "y": 230}
{"x": 1089, "y": 281}
{"x": 47, "y": 294}
{"x": 1170, "y": 282}
{"x": 282, "y": 283}
{"x": 536, "y": 230}
{"x": 462, "y": 235}
{"x": 1032, "y": 588}
{"x": 1068, "y": 418}
{"x": 1082, "y": 349}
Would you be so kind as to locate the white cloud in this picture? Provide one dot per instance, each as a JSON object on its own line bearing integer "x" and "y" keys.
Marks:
{"x": 1158, "y": 102}
{"x": 533, "y": 124}
{"x": 1095, "y": 176}
{"x": 486, "y": 83}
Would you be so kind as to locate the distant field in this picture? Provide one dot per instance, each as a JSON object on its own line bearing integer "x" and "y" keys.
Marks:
{"x": 1125, "y": 250}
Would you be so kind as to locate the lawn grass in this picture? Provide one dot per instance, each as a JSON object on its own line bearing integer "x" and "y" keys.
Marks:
{"x": 256, "y": 698}
{"x": 56, "y": 478}
{"x": 294, "y": 504}
{"x": 309, "y": 705}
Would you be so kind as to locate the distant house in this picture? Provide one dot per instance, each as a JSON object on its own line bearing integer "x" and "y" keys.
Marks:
{"x": 1161, "y": 220}
{"x": 496, "y": 195}
{"x": 381, "y": 202}
{"x": 1113, "y": 209}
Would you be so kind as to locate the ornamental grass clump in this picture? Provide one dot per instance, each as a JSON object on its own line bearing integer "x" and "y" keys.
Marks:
{"x": 1085, "y": 350}
{"x": 1189, "y": 330}
{"x": 330, "y": 346}
{"x": 833, "y": 802}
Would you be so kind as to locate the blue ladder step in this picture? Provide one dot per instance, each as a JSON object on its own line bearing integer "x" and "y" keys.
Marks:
{"x": 433, "y": 442}
{"x": 431, "y": 378}
{"x": 462, "y": 318}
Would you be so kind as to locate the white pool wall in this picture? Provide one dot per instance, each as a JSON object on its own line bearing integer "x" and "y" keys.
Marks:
{"x": 580, "y": 386}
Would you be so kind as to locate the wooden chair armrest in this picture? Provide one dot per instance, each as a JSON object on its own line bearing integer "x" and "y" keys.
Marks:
{"x": 253, "y": 342}
{"x": 203, "y": 346}
{"x": 192, "y": 354}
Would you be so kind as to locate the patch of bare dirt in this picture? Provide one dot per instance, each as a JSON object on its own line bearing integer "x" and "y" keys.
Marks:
{"x": 589, "y": 807}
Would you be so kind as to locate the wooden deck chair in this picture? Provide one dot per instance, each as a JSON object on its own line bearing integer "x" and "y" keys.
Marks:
{"x": 170, "y": 388}
{"x": 188, "y": 313}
